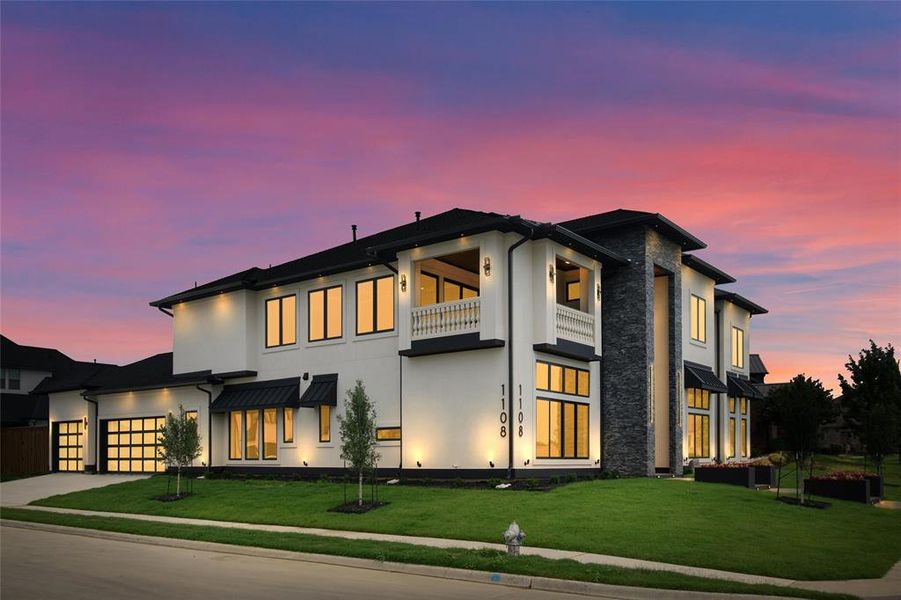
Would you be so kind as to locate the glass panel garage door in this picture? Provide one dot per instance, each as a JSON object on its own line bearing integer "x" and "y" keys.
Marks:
{"x": 68, "y": 446}
{"x": 131, "y": 445}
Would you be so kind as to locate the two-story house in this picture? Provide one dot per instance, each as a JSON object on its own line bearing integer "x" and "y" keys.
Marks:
{"x": 490, "y": 344}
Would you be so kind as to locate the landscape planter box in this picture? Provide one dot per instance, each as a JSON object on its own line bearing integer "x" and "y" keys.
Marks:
{"x": 743, "y": 476}
{"x": 855, "y": 490}
{"x": 764, "y": 476}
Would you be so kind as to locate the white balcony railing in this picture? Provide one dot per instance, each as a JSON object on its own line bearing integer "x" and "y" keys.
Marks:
{"x": 575, "y": 325}
{"x": 447, "y": 318}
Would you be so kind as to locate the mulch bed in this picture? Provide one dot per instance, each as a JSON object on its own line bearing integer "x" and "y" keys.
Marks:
{"x": 357, "y": 509}
{"x": 172, "y": 497}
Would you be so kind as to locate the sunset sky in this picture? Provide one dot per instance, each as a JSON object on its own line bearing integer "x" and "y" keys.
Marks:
{"x": 146, "y": 146}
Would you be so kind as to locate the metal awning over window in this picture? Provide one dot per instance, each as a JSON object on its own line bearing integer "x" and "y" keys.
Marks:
{"x": 323, "y": 390}
{"x": 258, "y": 394}
{"x": 742, "y": 388}
{"x": 702, "y": 377}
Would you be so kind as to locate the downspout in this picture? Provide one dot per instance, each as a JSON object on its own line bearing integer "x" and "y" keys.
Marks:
{"x": 510, "y": 348}
{"x": 719, "y": 397}
{"x": 209, "y": 426}
{"x": 400, "y": 362}
{"x": 96, "y": 431}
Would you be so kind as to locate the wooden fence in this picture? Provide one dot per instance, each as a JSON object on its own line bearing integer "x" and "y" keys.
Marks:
{"x": 24, "y": 450}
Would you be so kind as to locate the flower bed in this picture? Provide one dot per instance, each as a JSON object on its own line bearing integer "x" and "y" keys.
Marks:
{"x": 730, "y": 473}
{"x": 856, "y": 486}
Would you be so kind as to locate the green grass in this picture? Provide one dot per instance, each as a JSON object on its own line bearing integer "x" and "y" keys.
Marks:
{"x": 826, "y": 463}
{"x": 705, "y": 525}
{"x": 480, "y": 560}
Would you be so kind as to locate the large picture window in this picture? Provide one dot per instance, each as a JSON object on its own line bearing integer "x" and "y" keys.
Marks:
{"x": 698, "y": 436}
{"x": 281, "y": 321}
{"x": 375, "y": 305}
{"x": 325, "y": 312}
{"x": 561, "y": 429}
{"x": 270, "y": 434}
{"x": 698, "y": 318}
{"x": 454, "y": 290}
{"x": 235, "y": 434}
{"x": 738, "y": 348}
{"x": 551, "y": 377}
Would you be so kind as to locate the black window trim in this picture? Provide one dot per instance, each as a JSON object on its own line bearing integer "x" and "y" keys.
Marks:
{"x": 704, "y": 416}
{"x": 230, "y": 413}
{"x": 570, "y": 283}
{"x": 244, "y": 431}
{"x": 319, "y": 423}
{"x": 563, "y": 430}
{"x": 438, "y": 290}
{"x": 285, "y": 438}
{"x": 375, "y": 305}
{"x": 262, "y": 432}
{"x": 80, "y": 434}
{"x": 324, "y": 291}
{"x": 697, "y": 408}
{"x": 105, "y": 445}
{"x": 564, "y": 367}
{"x": 700, "y": 318}
{"x": 281, "y": 329}
{"x": 460, "y": 284}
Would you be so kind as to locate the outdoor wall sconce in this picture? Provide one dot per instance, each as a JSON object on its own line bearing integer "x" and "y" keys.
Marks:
{"x": 418, "y": 464}
{"x": 550, "y": 273}
{"x": 597, "y": 291}
{"x": 486, "y": 266}
{"x": 597, "y": 461}
{"x": 403, "y": 282}
{"x": 85, "y": 421}
{"x": 305, "y": 464}
{"x": 526, "y": 462}
{"x": 491, "y": 463}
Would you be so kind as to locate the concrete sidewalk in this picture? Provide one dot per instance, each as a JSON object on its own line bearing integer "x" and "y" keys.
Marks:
{"x": 888, "y": 586}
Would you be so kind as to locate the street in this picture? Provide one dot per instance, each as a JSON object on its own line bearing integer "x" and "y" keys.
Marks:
{"x": 47, "y": 565}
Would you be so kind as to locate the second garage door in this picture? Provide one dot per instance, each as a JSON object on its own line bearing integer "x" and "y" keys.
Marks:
{"x": 131, "y": 444}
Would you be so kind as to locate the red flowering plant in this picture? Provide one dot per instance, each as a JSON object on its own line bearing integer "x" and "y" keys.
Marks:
{"x": 844, "y": 476}
{"x": 727, "y": 465}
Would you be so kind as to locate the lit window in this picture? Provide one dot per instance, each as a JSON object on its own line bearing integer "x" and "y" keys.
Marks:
{"x": 556, "y": 378}
{"x": 744, "y": 406}
{"x": 428, "y": 289}
{"x": 698, "y": 318}
{"x": 252, "y": 435}
{"x": 561, "y": 429}
{"x": 288, "y": 425}
{"x": 386, "y": 434}
{"x": 325, "y": 423}
{"x": 573, "y": 291}
{"x": 566, "y": 380}
{"x": 745, "y": 438}
{"x": 191, "y": 414}
{"x": 698, "y": 398}
{"x": 731, "y": 448}
{"x": 375, "y": 305}
{"x": 738, "y": 348}
{"x": 281, "y": 321}
{"x": 235, "y": 440}
{"x": 325, "y": 312}
{"x": 731, "y": 405}
{"x": 270, "y": 443}
{"x": 458, "y": 291}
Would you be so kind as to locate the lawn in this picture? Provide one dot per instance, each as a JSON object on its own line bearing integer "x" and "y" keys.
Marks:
{"x": 480, "y": 560}
{"x": 826, "y": 463}
{"x": 682, "y": 522}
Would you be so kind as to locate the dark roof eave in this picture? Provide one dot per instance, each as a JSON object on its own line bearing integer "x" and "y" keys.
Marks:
{"x": 703, "y": 267}
{"x": 740, "y": 301}
{"x": 606, "y": 257}
{"x": 389, "y": 251}
{"x": 656, "y": 220}
{"x": 191, "y": 381}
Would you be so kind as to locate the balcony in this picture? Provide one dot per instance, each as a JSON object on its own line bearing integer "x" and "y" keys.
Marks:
{"x": 574, "y": 325}
{"x": 447, "y": 318}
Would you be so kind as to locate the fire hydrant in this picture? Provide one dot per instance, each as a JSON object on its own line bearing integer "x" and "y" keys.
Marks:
{"x": 513, "y": 537}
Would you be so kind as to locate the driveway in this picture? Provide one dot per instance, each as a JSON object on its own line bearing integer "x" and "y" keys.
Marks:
{"x": 22, "y": 491}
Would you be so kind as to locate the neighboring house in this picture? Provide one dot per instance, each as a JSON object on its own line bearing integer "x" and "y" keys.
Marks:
{"x": 478, "y": 337}
{"x": 22, "y": 369}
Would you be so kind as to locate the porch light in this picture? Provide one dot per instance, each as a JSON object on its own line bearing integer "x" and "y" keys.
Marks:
{"x": 526, "y": 462}
{"x": 85, "y": 421}
{"x": 418, "y": 464}
{"x": 597, "y": 291}
{"x": 550, "y": 273}
{"x": 305, "y": 464}
{"x": 403, "y": 282}
{"x": 491, "y": 463}
{"x": 486, "y": 266}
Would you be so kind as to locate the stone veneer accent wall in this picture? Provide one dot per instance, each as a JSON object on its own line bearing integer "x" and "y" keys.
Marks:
{"x": 627, "y": 437}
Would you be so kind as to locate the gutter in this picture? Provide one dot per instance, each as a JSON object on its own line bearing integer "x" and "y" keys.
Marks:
{"x": 96, "y": 430}
{"x": 209, "y": 426}
{"x": 510, "y": 471}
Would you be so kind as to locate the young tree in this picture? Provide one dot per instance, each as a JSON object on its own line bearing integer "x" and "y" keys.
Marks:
{"x": 179, "y": 443}
{"x": 803, "y": 406}
{"x": 357, "y": 427}
{"x": 871, "y": 400}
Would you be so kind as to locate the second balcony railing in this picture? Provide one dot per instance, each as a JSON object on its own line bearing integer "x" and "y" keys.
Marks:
{"x": 575, "y": 325}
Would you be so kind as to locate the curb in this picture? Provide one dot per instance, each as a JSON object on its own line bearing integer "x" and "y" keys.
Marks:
{"x": 484, "y": 577}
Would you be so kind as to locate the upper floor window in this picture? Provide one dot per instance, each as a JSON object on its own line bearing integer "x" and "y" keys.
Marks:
{"x": 458, "y": 291}
{"x": 281, "y": 321}
{"x": 375, "y": 305}
{"x": 738, "y": 348}
{"x": 698, "y": 318}
{"x": 698, "y": 398}
{"x": 565, "y": 380}
{"x": 569, "y": 280}
{"x": 448, "y": 278}
{"x": 325, "y": 311}
{"x": 11, "y": 379}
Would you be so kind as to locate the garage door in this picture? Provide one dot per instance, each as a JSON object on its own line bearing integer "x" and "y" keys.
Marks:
{"x": 130, "y": 445}
{"x": 68, "y": 446}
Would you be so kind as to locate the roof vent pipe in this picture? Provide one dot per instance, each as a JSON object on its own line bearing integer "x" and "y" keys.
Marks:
{"x": 353, "y": 229}
{"x": 418, "y": 214}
